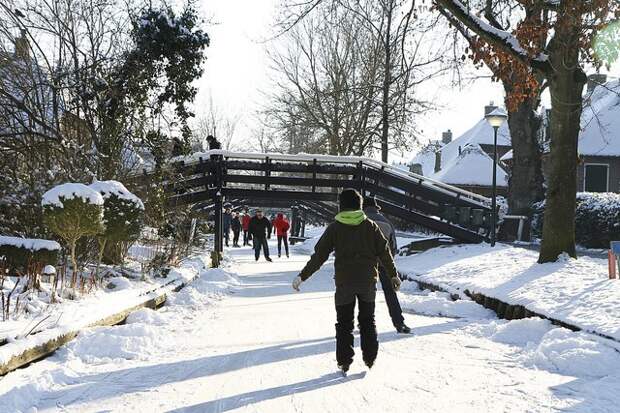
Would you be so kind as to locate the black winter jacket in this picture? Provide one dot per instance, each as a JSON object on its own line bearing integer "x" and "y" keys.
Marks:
{"x": 260, "y": 228}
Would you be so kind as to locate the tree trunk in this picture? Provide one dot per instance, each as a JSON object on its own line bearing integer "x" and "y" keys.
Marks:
{"x": 387, "y": 80}
{"x": 526, "y": 178}
{"x": 75, "y": 271}
{"x": 566, "y": 88}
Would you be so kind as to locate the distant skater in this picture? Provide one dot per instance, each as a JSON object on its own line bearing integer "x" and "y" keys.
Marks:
{"x": 226, "y": 222}
{"x": 358, "y": 245}
{"x": 281, "y": 226}
{"x": 245, "y": 224}
{"x": 235, "y": 225}
{"x": 260, "y": 228}
{"x": 372, "y": 211}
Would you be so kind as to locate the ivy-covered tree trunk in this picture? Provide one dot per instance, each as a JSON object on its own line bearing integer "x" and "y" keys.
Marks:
{"x": 566, "y": 88}
{"x": 526, "y": 177}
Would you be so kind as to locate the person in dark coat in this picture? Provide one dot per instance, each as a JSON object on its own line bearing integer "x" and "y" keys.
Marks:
{"x": 235, "y": 225}
{"x": 260, "y": 228}
{"x": 213, "y": 143}
{"x": 371, "y": 209}
{"x": 359, "y": 245}
{"x": 245, "y": 224}
{"x": 226, "y": 222}
{"x": 281, "y": 226}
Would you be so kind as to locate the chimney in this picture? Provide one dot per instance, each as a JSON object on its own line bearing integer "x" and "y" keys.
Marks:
{"x": 446, "y": 137}
{"x": 22, "y": 47}
{"x": 437, "y": 161}
{"x": 596, "y": 79}
{"x": 416, "y": 168}
{"x": 489, "y": 108}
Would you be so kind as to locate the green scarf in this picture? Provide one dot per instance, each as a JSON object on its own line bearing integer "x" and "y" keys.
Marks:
{"x": 351, "y": 217}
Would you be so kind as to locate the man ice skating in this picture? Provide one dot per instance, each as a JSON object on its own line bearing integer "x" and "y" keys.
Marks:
{"x": 245, "y": 224}
{"x": 260, "y": 228}
{"x": 371, "y": 209}
{"x": 358, "y": 245}
{"x": 235, "y": 225}
{"x": 281, "y": 226}
{"x": 226, "y": 222}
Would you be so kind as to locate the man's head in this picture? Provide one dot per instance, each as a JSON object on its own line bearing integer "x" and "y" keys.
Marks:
{"x": 259, "y": 213}
{"x": 350, "y": 200}
{"x": 228, "y": 210}
{"x": 371, "y": 202}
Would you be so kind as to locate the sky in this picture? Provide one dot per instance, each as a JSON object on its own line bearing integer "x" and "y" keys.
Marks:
{"x": 237, "y": 73}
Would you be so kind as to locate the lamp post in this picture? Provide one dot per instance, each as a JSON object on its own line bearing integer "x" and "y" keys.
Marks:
{"x": 495, "y": 118}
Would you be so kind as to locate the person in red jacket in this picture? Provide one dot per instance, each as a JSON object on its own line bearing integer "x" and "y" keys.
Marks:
{"x": 281, "y": 225}
{"x": 245, "y": 224}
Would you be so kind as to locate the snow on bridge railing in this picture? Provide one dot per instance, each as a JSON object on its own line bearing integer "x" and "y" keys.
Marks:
{"x": 424, "y": 180}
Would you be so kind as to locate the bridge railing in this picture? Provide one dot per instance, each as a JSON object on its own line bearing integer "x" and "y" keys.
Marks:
{"x": 331, "y": 159}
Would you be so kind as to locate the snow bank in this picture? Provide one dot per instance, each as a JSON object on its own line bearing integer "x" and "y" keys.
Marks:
{"x": 577, "y": 292}
{"x": 32, "y": 244}
{"x": 307, "y": 247}
{"x": 134, "y": 341}
{"x": 440, "y": 304}
{"x": 212, "y": 285}
{"x": 109, "y": 188}
{"x": 71, "y": 191}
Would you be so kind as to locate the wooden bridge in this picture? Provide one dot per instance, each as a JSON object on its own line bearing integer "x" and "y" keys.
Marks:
{"x": 309, "y": 184}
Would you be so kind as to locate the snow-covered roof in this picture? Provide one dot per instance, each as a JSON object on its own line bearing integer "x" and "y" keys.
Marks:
{"x": 71, "y": 191}
{"x": 108, "y": 188}
{"x": 472, "y": 167}
{"x": 507, "y": 157}
{"x": 600, "y": 121}
{"x": 480, "y": 134}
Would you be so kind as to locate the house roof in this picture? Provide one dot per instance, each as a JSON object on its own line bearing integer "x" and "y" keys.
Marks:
{"x": 471, "y": 167}
{"x": 600, "y": 121}
{"x": 480, "y": 134}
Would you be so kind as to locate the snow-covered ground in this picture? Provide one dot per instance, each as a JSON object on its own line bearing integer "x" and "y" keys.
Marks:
{"x": 577, "y": 292}
{"x": 43, "y": 321}
{"x": 240, "y": 339}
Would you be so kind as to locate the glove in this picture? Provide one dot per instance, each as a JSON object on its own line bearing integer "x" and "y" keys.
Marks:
{"x": 396, "y": 283}
{"x": 297, "y": 282}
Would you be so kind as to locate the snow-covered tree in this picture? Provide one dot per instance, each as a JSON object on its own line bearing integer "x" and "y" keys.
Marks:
{"x": 73, "y": 211}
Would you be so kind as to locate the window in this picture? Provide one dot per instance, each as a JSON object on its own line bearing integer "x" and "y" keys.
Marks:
{"x": 596, "y": 177}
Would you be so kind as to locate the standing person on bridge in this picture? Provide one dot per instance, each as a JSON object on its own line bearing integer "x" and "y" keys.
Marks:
{"x": 226, "y": 222}
{"x": 245, "y": 224}
{"x": 281, "y": 225}
{"x": 260, "y": 228}
{"x": 371, "y": 209}
{"x": 236, "y": 229}
{"x": 358, "y": 245}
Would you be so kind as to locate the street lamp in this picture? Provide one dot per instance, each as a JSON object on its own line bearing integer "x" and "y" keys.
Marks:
{"x": 495, "y": 118}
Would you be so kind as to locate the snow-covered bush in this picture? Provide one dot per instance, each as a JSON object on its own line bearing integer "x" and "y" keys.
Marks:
{"x": 123, "y": 217}
{"x": 73, "y": 211}
{"x": 18, "y": 252}
{"x": 597, "y": 219}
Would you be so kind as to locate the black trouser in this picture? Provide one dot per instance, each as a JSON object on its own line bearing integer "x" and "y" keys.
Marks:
{"x": 247, "y": 237}
{"x": 226, "y": 234}
{"x": 344, "y": 331}
{"x": 258, "y": 244}
{"x": 280, "y": 239}
{"x": 236, "y": 237}
{"x": 391, "y": 299}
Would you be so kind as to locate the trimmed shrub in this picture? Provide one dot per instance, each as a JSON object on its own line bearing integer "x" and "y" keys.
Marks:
{"x": 597, "y": 219}
{"x": 18, "y": 253}
{"x": 123, "y": 218}
{"x": 73, "y": 211}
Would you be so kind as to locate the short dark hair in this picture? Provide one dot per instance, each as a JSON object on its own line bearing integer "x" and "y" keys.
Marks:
{"x": 350, "y": 200}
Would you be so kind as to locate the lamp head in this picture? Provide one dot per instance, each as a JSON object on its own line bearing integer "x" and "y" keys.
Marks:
{"x": 497, "y": 117}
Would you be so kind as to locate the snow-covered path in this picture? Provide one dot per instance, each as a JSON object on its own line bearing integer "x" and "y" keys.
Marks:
{"x": 265, "y": 348}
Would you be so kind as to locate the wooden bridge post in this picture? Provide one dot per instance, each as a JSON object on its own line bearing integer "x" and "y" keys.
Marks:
{"x": 294, "y": 219}
{"x": 219, "y": 245}
{"x": 362, "y": 178}
{"x": 303, "y": 223}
